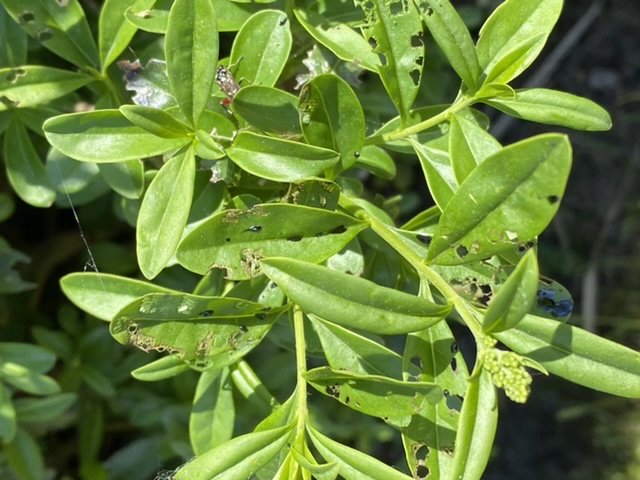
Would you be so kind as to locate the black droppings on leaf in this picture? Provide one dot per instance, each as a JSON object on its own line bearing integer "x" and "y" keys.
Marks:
{"x": 283, "y": 21}
{"x": 553, "y": 199}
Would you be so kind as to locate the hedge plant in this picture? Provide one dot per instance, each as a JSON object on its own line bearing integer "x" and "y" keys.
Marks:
{"x": 247, "y": 162}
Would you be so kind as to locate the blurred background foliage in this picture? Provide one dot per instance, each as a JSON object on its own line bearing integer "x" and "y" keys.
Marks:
{"x": 121, "y": 428}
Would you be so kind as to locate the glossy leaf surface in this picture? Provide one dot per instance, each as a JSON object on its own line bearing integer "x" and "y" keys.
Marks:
{"x": 105, "y": 136}
{"x": 279, "y": 160}
{"x": 164, "y": 213}
{"x": 349, "y": 301}
{"x": 261, "y": 48}
{"x": 268, "y": 109}
{"x": 205, "y": 332}
{"x": 576, "y": 355}
{"x": 235, "y": 240}
{"x": 508, "y": 199}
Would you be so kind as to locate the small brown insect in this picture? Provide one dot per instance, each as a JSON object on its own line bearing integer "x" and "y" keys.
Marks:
{"x": 228, "y": 84}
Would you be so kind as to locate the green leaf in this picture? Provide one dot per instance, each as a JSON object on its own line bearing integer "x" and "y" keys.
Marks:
{"x": 160, "y": 369}
{"x": 149, "y": 20}
{"x": 105, "y": 136}
{"x": 207, "y": 147}
{"x": 155, "y": 121}
{"x": 103, "y": 295}
{"x": 516, "y": 31}
{"x": 354, "y": 465}
{"x": 279, "y": 160}
{"x": 346, "y": 350}
{"x": 515, "y": 297}
{"x": 68, "y": 175}
{"x": 508, "y": 199}
{"x": 191, "y": 50}
{"x": 453, "y": 37}
{"x": 437, "y": 169}
{"x": 469, "y": 145}
{"x": 476, "y": 428}
{"x": 235, "y": 240}
{"x": 237, "y": 458}
{"x": 553, "y": 107}
{"x": 268, "y": 109}
{"x": 126, "y": 178}
{"x": 25, "y": 171}
{"x": 395, "y": 401}
{"x": 31, "y": 85}
{"x": 230, "y": 16}
{"x": 27, "y": 380}
{"x": 8, "y": 422}
{"x": 431, "y": 434}
{"x": 331, "y": 117}
{"x": 44, "y": 410}
{"x": 314, "y": 193}
{"x": 349, "y": 301}
{"x": 327, "y": 471}
{"x": 576, "y": 355}
{"x": 97, "y": 381}
{"x": 205, "y": 332}
{"x": 261, "y": 48}
{"x": 30, "y": 356}
{"x": 59, "y": 26}
{"x": 213, "y": 412}
{"x": 338, "y": 37}
{"x": 377, "y": 161}
{"x": 13, "y": 42}
{"x": 164, "y": 213}
{"x": 24, "y": 457}
{"x": 114, "y": 31}
{"x": 396, "y": 33}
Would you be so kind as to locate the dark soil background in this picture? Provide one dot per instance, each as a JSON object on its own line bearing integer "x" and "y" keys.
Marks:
{"x": 593, "y": 248}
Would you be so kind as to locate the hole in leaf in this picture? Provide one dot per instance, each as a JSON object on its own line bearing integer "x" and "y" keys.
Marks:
{"x": 339, "y": 229}
{"x": 454, "y": 364}
{"x": 63, "y": 3}
{"x": 283, "y": 21}
{"x": 244, "y": 329}
{"x": 415, "y": 76}
{"x": 347, "y": 400}
{"x": 44, "y": 35}
{"x": 254, "y": 229}
{"x": 372, "y": 43}
{"x": 294, "y": 238}
{"x": 416, "y": 41}
{"x": 132, "y": 328}
{"x": 383, "y": 59}
{"x": 26, "y": 17}
{"x": 261, "y": 316}
{"x": 206, "y": 313}
{"x": 453, "y": 403}
{"x": 14, "y": 74}
{"x": 420, "y": 452}
{"x": 417, "y": 361}
{"x": 422, "y": 238}
{"x": 553, "y": 199}
{"x": 333, "y": 390}
{"x": 462, "y": 251}
{"x": 422, "y": 472}
{"x": 396, "y": 8}
{"x": 454, "y": 348}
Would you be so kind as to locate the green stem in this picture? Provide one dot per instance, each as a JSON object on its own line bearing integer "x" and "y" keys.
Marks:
{"x": 301, "y": 384}
{"x": 400, "y": 246}
{"x": 459, "y": 104}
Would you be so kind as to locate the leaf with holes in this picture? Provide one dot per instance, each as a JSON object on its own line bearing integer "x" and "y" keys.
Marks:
{"x": 476, "y": 428}
{"x": 261, "y": 48}
{"x": 60, "y": 26}
{"x": 508, "y": 199}
{"x": 435, "y": 355}
{"x": 25, "y": 171}
{"x": 164, "y": 213}
{"x": 396, "y": 29}
{"x": 331, "y": 117}
{"x": 338, "y": 37}
{"x": 515, "y": 297}
{"x": 553, "y": 107}
{"x": 576, "y": 355}
{"x": 114, "y": 31}
{"x": 205, "y": 332}
{"x": 191, "y": 50}
{"x": 31, "y": 85}
{"x": 105, "y": 136}
{"x": 395, "y": 401}
{"x": 513, "y": 36}
{"x": 235, "y": 240}
{"x": 102, "y": 294}
{"x": 350, "y": 301}
{"x": 453, "y": 38}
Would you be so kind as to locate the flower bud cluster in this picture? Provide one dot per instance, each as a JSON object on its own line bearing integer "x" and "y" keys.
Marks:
{"x": 509, "y": 373}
